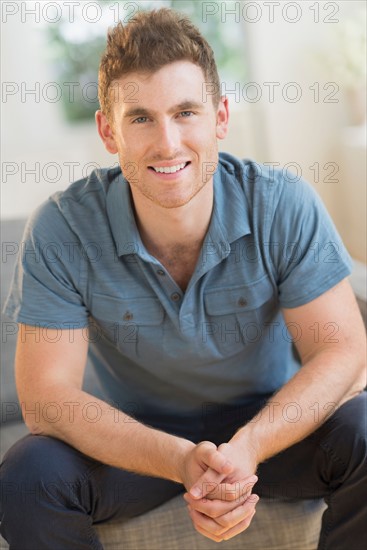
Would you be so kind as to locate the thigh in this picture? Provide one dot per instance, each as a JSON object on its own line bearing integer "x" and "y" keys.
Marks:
{"x": 39, "y": 469}
{"x": 123, "y": 495}
{"x": 321, "y": 462}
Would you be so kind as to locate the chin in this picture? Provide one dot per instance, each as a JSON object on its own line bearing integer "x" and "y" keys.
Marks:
{"x": 169, "y": 200}
{"x": 172, "y": 203}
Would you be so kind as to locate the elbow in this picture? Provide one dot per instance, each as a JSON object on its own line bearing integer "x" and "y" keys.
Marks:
{"x": 32, "y": 413}
{"x": 361, "y": 379}
{"x": 360, "y": 382}
{"x": 35, "y": 429}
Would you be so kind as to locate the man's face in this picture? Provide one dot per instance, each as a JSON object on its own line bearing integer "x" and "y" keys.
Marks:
{"x": 164, "y": 122}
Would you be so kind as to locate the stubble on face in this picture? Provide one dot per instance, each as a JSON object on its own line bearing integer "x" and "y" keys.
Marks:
{"x": 168, "y": 198}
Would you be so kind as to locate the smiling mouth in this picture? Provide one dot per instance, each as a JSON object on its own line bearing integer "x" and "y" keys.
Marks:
{"x": 169, "y": 169}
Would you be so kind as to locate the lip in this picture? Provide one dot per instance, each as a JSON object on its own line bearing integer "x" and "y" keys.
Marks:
{"x": 168, "y": 177}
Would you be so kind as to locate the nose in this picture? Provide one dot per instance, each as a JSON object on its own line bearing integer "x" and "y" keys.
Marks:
{"x": 167, "y": 140}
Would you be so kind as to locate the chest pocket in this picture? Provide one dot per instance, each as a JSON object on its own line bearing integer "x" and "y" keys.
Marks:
{"x": 134, "y": 325}
{"x": 236, "y": 315}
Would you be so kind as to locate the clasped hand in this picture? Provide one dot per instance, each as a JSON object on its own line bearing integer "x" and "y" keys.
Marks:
{"x": 219, "y": 482}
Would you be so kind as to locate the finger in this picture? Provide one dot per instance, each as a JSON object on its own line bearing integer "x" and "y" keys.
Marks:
{"x": 217, "y": 508}
{"x": 207, "y": 455}
{"x": 226, "y": 491}
{"x": 231, "y": 491}
{"x": 208, "y": 482}
{"x": 225, "y": 522}
{"x": 239, "y": 528}
{"x": 232, "y": 525}
{"x": 214, "y": 508}
{"x": 230, "y": 533}
{"x": 213, "y": 458}
{"x": 238, "y": 514}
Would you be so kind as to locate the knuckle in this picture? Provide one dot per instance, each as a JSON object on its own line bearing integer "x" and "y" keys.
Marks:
{"x": 208, "y": 535}
{"x": 207, "y": 445}
{"x": 221, "y": 530}
{"x": 248, "y": 521}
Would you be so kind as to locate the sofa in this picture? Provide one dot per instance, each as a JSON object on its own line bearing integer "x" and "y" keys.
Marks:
{"x": 277, "y": 525}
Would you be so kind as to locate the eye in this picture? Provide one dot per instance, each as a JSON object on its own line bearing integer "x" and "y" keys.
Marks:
{"x": 140, "y": 120}
{"x": 186, "y": 114}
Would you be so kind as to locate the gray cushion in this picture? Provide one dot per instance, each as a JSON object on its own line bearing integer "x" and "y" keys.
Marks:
{"x": 277, "y": 525}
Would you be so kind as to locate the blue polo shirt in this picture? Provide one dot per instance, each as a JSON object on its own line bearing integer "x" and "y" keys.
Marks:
{"x": 160, "y": 351}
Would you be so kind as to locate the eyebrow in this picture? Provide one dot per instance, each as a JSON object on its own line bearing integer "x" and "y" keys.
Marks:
{"x": 183, "y": 106}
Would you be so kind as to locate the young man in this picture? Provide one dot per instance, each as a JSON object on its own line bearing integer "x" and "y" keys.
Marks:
{"x": 192, "y": 272}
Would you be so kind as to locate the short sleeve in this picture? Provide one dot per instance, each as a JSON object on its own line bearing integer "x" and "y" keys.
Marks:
{"x": 308, "y": 254}
{"x": 45, "y": 289}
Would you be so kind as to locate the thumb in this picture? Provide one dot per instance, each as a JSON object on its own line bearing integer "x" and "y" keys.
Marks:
{"x": 207, "y": 483}
{"x": 217, "y": 467}
{"x": 211, "y": 457}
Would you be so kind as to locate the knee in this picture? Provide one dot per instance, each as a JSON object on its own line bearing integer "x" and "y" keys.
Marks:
{"x": 35, "y": 457}
{"x": 345, "y": 431}
{"x": 351, "y": 420}
{"x": 36, "y": 465}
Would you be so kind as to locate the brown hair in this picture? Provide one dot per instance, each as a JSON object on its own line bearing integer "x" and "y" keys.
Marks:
{"x": 150, "y": 40}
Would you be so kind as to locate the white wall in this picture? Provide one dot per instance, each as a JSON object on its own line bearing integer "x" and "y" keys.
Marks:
{"x": 305, "y": 132}
{"x": 33, "y": 128}
{"x": 311, "y": 131}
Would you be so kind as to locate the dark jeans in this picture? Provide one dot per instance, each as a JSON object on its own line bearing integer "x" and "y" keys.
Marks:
{"x": 52, "y": 494}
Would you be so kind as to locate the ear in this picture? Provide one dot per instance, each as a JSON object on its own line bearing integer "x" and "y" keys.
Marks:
{"x": 222, "y": 118}
{"x": 105, "y": 132}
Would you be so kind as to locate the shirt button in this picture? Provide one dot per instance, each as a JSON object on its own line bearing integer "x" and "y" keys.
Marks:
{"x": 242, "y": 302}
{"x": 175, "y": 297}
{"x": 128, "y": 316}
{"x": 160, "y": 272}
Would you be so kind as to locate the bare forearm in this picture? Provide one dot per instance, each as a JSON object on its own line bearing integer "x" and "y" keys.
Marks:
{"x": 105, "y": 433}
{"x": 302, "y": 405}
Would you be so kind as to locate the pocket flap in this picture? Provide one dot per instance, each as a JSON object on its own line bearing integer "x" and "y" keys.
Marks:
{"x": 138, "y": 311}
{"x": 223, "y": 301}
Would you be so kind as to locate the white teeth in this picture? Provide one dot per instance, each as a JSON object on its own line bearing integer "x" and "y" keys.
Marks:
{"x": 170, "y": 169}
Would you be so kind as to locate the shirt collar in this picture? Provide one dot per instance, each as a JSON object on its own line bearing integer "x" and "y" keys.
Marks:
{"x": 229, "y": 221}
{"x": 230, "y": 213}
{"x": 122, "y": 219}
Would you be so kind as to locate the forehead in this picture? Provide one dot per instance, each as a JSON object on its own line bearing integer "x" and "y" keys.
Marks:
{"x": 170, "y": 85}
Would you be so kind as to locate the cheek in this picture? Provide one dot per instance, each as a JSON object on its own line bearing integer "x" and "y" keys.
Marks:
{"x": 204, "y": 144}
{"x": 205, "y": 136}
{"x": 130, "y": 154}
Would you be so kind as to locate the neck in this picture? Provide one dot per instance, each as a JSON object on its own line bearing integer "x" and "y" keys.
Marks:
{"x": 163, "y": 228}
